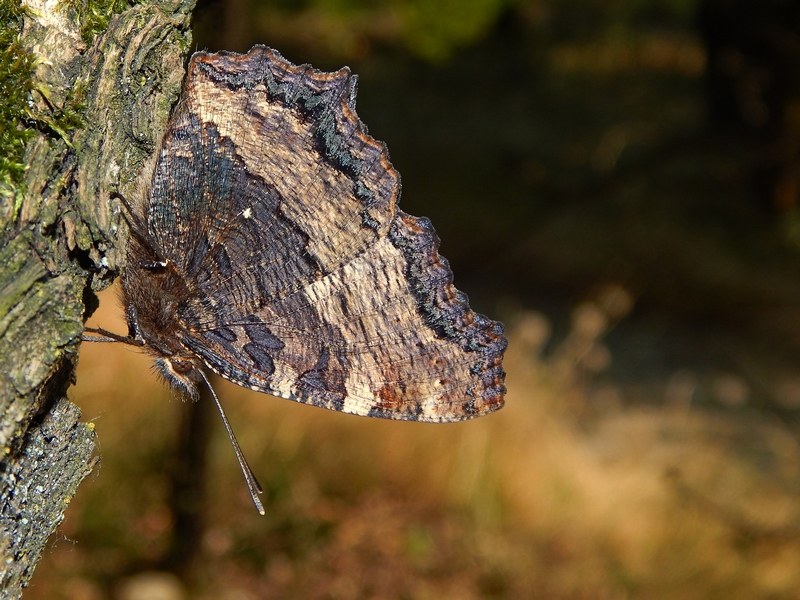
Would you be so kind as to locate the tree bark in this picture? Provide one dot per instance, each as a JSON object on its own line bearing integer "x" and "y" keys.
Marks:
{"x": 58, "y": 241}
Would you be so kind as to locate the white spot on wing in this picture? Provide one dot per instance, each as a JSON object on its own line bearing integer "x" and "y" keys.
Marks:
{"x": 247, "y": 213}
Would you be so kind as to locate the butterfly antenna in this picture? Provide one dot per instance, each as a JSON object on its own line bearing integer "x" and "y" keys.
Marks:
{"x": 103, "y": 335}
{"x": 252, "y": 483}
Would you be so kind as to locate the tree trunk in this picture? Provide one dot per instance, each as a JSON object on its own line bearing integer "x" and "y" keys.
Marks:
{"x": 98, "y": 106}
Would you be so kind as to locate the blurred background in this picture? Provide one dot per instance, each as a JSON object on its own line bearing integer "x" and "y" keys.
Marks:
{"x": 618, "y": 181}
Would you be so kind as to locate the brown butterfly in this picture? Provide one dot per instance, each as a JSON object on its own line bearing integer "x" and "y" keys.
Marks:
{"x": 268, "y": 247}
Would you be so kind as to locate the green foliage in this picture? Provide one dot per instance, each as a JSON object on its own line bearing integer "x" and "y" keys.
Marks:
{"x": 434, "y": 29}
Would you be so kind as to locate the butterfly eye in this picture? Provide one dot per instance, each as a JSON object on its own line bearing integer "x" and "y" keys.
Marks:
{"x": 182, "y": 366}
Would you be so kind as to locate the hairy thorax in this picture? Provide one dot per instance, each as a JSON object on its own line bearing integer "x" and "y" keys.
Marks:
{"x": 152, "y": 292}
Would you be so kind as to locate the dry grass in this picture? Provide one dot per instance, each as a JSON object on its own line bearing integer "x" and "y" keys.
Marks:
{"x": 563, "y": 494}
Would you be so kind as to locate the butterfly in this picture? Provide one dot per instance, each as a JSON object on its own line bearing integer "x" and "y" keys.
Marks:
{"x": 267, "y": 246}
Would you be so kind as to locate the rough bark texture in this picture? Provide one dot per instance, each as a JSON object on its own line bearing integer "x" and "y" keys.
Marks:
{"x": 58, "y": 244}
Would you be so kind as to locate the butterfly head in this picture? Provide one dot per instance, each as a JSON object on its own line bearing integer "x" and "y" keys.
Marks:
{"x": 181, "y": 373}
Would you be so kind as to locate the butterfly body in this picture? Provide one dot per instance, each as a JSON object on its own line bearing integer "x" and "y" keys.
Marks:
{"x": 152, "y": 292}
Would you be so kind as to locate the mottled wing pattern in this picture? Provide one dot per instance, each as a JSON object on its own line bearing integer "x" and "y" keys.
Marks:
{"x": 306, "y": 281}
